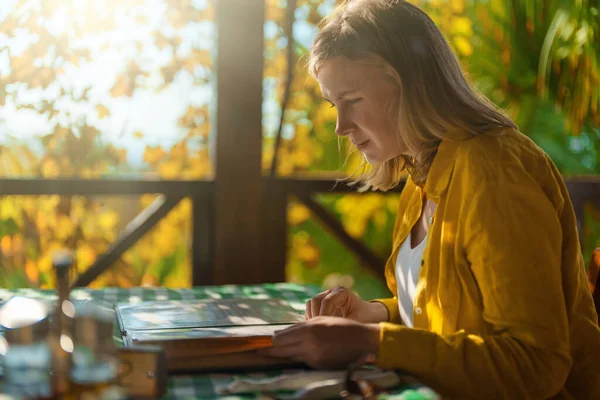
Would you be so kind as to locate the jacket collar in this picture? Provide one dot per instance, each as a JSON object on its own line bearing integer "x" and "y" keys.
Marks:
{"x": 441, "y": 169}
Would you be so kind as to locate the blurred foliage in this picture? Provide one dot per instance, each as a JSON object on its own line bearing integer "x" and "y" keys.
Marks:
{"x": 538, "y": 59}
{"x": 45, "y": 44}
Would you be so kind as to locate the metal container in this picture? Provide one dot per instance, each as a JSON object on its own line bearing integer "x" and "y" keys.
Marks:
{"x": 24, "y": 349}
{"x": 24, "y": 321}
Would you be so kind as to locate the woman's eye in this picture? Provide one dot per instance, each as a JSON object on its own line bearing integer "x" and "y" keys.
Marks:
{"x": 354, "y": 101}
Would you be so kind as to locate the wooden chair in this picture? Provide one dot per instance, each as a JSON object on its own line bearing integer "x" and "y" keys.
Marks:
{"x": 594, "y": 279}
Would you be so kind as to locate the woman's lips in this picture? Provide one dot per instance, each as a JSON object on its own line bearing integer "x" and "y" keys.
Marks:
{"x": 363, "y": 145}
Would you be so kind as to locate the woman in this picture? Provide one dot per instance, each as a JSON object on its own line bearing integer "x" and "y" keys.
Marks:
{"x": 491, "y": 294}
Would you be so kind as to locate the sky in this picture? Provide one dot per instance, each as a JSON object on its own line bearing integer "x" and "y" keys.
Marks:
{"x": 151, "y": 111}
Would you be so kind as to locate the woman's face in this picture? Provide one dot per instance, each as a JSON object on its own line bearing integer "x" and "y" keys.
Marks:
{"x": 366, "y": 100}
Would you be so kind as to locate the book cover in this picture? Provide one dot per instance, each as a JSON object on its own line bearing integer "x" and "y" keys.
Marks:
{"x": 207, "y": 334}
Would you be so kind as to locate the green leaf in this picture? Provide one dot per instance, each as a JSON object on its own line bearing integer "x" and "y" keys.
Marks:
{"x": 8, "y": 227}
{"x": 18, "y": 279}
{"x": 166, "y": 267}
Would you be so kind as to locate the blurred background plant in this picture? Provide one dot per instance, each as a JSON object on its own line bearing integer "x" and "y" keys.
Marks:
{"x": 95, "y": 89}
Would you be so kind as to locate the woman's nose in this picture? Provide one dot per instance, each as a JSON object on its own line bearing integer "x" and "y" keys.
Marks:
{"x": 343, "y": 125}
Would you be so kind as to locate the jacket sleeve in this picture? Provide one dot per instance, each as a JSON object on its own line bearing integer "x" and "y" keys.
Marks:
{"x": 512, "y": 239}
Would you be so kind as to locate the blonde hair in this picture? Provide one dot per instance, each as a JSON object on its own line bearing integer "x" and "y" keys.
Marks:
{"x": 435, "y": 101}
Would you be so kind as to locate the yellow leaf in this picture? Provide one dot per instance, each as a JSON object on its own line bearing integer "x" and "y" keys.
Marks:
{"x": 87, "y": 173}
{"x": 167, "y": 239}
{"x": 86, "y": 256}
{"x": 22, "y": 68}
{"x": 298, "y": 214}
{"x": 198, "y": 167}
{"x": 198, "y": 58}
{"x": 187, "y": 119}
{"x": 463, "y": 46}
{"x": 122, "y": 87}
{"x": 6, "y": 245}
{"x": 50, "y": 168}
{"x": 179, "y": 280}
{"x": 9, "y": 209}
{"x": 169, "y": 71}
{"x": 303, "y": 159}
{"x": 64, "y": 228}
{"x": 42, "y": 77}
{"x": 153, "y": 155}
{"x": 138, "y": 135}
{"x": 309, "y": 253}
{"x": 170, "y": 169}
{"x": 108, "y": 220}
{"x": 462, "y": 26}
{"x": 392, "y": 203}
{"x": 179, "y": 151}
{"x": 380, "y": 219}
{"x": 44, "y": 263}
{"x": 102, "y": 111}
{"x": 18, "y": 243}
{"x": 31, "y": 270}
{"x": 458, "y": 6}
{"x": 355, "y": 227}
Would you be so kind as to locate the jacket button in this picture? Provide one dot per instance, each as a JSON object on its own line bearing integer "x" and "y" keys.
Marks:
{"x": 422, "y": 262}
{"x": 418, "y": 310}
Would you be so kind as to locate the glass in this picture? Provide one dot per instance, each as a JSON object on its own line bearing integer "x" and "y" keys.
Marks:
{"x": 24, "y": 350}
{"x": 95, "y": 363}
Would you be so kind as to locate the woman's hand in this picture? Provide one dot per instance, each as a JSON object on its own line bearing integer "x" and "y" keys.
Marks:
{"x": 341, "y": 302}
{"x": 326, "y": 342}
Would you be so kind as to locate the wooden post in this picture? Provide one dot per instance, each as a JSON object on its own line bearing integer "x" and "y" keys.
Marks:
{"x": 202, "y": 249}
{"x": 238, "y": 178}
{"x": 274, "y": 232}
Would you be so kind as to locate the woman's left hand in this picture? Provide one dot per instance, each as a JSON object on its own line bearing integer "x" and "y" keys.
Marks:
{"x": 326, "y": 342}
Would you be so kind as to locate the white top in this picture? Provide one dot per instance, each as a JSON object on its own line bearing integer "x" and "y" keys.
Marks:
{"x": 408, "y": 265}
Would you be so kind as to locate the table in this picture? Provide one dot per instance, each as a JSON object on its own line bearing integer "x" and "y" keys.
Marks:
{"x": 202, "y": 385}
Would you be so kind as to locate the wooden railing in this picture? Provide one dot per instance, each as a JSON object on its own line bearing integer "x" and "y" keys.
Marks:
{"x": 268, "y": 267}
{"x": 269, "y": 264}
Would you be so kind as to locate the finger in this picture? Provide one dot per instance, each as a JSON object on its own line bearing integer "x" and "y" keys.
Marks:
{"x": 315, "y": 303}
{"x": 307, "y": 311}
{"x": 334, "y": 301}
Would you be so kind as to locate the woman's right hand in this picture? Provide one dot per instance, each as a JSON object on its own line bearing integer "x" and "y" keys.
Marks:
{"x": 341, "y": 302}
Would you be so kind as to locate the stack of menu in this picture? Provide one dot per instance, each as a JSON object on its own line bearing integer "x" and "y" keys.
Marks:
{"x": 208, "y": 334}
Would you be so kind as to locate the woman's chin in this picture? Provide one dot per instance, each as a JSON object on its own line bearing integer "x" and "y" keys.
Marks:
{"x": 374, "y": 158}
{"x": 371, "y": 159}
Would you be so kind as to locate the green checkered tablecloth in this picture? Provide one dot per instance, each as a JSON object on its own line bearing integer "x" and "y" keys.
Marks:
{"x": 202, "y": 386}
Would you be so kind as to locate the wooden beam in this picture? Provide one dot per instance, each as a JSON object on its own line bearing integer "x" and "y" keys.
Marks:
{"x": 360, "y": 250}
{"x": 87, "y": 187}
{"x": 133, "y": 232}
{"x": 202, "y": 249}
{"x": 238, "y": 179}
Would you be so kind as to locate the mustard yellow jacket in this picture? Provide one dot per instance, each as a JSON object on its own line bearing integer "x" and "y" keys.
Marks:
{"x": 502, "y": 308}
